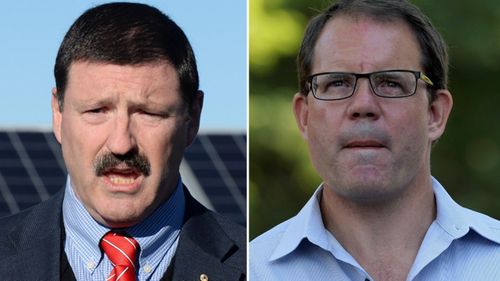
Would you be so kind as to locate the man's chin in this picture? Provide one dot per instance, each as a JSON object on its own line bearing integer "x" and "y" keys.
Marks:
{"x": 119, "y": 222}
{"x": 365, "y": 191}
{"x": 119, "y": 217}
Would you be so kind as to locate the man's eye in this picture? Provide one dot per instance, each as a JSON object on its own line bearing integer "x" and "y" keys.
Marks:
{"x": 153, "y": 113}
{"x": 96, "y": 110}
{"x": 389, "y": 82}
{"x": 337, "y": 83}
{"x": 392, "y": 84}
{"x": 147, "y": 113}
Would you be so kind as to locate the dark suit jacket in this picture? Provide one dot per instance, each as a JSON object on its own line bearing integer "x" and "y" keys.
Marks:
{"x": 31, "y": 244}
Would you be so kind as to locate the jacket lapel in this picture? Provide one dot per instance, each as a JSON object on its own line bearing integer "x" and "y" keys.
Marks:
{"x": 204, "y": 247}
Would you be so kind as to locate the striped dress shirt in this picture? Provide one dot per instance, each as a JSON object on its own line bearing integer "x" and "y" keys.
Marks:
{"x": 157, "y": 236}
{"x": 460, "y": 245}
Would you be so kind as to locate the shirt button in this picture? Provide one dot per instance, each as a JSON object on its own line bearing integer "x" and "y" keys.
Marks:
{"x": 90, "y": 265}
{"x": 148, "y": 268}
{"x": 457, "y": 227}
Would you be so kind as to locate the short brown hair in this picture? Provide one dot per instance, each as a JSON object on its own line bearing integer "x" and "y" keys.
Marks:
{"x": 127, "y": 34}
{"x": 433, "y": 48}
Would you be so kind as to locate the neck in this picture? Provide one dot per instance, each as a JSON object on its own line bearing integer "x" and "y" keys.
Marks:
{"x": 383, "y": 237}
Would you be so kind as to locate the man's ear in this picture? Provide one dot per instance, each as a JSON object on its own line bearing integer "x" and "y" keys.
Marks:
{"x": 194, "y": 117}
{"x": 56, "y": 115}
{"x": 301, "y": 111}
{"x": 439, "y": 111}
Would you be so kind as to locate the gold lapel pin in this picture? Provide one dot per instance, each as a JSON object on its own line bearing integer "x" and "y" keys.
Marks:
{"x": 203, "y": 277}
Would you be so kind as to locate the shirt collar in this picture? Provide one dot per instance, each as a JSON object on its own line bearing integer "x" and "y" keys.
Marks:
{"x": 308, "y": 224}
{"x": 159, "y": 231}
{"x": 156, "y": 234}
{"x": 457, "y": 221}
{"x": 81, "y": 229}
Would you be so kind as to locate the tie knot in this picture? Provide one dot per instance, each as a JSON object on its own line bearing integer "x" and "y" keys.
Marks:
{"x": 121, "y": 251}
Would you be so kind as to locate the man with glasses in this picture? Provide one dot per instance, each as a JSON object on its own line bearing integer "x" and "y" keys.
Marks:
{"x": 373, "y": 99}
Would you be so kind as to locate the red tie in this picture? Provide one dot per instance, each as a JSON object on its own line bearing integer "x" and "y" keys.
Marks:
{"x": 121, "y": 251}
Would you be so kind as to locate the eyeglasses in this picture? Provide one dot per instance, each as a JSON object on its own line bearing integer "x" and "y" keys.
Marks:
{"x": 387, "y": 83}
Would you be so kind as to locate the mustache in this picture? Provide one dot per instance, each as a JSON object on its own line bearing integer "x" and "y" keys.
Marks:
{"x": 134, "y": 160}
{"x": 363, "y": 132}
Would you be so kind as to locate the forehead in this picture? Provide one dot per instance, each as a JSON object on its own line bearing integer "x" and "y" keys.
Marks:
{"x": 362, "y": 44}
{"x": 97, "y": 78}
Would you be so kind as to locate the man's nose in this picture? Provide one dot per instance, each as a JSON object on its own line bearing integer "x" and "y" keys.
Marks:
{"x": 122, "y": 138}
{"x": 364, "y": 103}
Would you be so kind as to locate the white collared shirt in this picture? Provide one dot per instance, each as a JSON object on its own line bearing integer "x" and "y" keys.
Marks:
{"x": 460, "y": 244}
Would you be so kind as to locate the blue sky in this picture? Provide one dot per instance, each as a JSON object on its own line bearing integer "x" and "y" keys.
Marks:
{"x": 31, "y": 32}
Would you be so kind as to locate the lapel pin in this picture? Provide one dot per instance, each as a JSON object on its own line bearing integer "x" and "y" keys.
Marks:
{"x": 203, "y": 277}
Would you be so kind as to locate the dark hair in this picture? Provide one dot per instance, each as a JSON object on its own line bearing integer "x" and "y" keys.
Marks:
{"x": 127, "y": 34}
{"x": 433, "y": 48}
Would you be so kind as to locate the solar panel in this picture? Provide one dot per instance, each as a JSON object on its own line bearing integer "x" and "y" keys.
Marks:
{"x": 218, "y": 161}
{"x": 32, "y": 169}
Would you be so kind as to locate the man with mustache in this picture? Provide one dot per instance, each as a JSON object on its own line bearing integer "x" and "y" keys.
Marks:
{"x": 125, "y": 107}
{"x": 373, "y": 100}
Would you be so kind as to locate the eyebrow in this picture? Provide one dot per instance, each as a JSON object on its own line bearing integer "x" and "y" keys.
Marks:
{"x": 85, "y": 104}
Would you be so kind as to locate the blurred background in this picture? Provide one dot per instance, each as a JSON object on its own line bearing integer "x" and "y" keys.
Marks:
{"x": 467, "y": 158}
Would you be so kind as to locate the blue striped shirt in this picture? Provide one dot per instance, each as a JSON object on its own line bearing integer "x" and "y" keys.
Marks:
{"x": 157, "y": 236}
{"x": 459, "y": 245}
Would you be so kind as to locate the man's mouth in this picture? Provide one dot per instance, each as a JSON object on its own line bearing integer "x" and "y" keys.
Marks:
{"x": 119, "y": 180}
{"x": 122, "y": 177}
{"x": 364, "y": 144}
